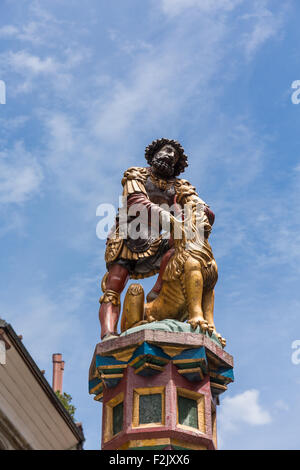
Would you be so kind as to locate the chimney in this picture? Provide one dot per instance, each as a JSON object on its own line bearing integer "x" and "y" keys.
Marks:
{"x": 58, "y": 372}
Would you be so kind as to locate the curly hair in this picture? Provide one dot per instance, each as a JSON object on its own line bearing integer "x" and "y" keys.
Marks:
{"x": 156, "y": 145}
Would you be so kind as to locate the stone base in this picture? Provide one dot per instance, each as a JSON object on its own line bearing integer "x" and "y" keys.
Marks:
{"x": 159, "y": 389}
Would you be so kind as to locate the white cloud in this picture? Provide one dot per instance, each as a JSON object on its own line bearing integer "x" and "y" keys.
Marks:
{"x": 147, "y": 89}
{"x": 264, "y": 24}
{"x": 38, "y": 27}
{"x": 243, "y": 408}
{"x": 27, "y": 70}
{"x": 26, "y": 62}
{"x": 260, "y": 22}
{"x": 20, "y": 175}
{"x": 8, "y": 30}
{"x": 161, "y": 81}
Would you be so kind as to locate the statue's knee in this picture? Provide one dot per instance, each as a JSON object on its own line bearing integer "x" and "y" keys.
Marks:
{"x": 135, "y": 289}
{"x": 133, "y": 307}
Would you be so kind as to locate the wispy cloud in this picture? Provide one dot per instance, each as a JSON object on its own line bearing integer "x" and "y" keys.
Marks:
{"x": 28, "y": 63}
{"x": 260, "y": 23}
{"x": 8, "y": 30}
{"x": 263, "y": 24}
{"x": 38, "y": 27}
{"x": 242, "y": 409}
{"x": 175, "y": 7}
{"x": 30, "y": 69}
{"x": 20, "y": 175}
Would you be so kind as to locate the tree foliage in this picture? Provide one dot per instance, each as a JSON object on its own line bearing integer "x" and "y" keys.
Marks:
{"x": 66, "y": 401}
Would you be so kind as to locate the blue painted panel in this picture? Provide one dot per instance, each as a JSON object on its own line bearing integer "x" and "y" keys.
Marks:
{"x": 194, "y": 353}
{"x": 108, "y": 361}
{"x": 147, "y": 348}
{"x": 226, "y": 372}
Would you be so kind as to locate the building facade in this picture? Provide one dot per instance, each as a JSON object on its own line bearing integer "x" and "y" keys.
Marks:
{"x": 31, "y": 415}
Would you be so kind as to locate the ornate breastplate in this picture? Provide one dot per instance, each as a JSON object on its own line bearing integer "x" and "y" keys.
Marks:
{"x": 160, "y": 191}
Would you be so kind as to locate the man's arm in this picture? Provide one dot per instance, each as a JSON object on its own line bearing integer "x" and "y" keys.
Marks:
{"x": 134, "y": 190}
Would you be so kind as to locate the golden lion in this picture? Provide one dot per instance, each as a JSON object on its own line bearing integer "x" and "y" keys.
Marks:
{"x": 188, "y": 283}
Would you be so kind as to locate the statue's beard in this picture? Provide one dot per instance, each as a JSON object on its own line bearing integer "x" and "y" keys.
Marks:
{"x": 163, "y": 166}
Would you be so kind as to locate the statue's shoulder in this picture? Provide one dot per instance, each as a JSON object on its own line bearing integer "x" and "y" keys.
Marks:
{"x": 135, "y": 173}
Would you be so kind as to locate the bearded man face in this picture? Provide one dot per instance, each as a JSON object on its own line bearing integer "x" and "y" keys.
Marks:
{"x": 164, "y": 161}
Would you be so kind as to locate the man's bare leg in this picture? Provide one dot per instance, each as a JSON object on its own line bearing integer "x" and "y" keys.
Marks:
{"x": 110, "y": 301}
{"x": 158, "y": 284}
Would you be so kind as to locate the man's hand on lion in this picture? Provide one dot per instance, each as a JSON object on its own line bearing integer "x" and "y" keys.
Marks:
{"x": 174, "y": 226}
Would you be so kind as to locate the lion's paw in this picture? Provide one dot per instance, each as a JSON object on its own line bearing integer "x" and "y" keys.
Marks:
{"x": 222, "y": 340}
{"x": 211, "y": 329}
{"x": 194, "y": 322}
{"x": 150, "y": 318}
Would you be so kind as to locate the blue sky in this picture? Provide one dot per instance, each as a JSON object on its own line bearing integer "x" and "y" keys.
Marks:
{"x": 89, "y": 85}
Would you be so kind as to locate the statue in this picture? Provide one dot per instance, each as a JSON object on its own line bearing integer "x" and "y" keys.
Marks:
{"x": 160, "y": 379}
{"x": 187, "y": 271}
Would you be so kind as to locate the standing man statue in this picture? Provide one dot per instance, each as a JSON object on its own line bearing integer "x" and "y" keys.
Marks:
{"x": 138, "y": 258}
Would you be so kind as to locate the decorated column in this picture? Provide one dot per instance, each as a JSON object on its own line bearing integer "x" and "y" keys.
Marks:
{"x": 160, "y": 388}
